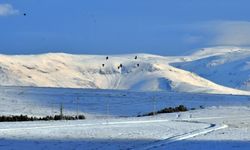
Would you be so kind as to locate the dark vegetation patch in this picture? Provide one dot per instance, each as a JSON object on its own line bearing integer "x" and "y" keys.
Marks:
{"x": 15, "y": 118}
{"x": 202, "y": 107}
{"x": 180, "y": 108}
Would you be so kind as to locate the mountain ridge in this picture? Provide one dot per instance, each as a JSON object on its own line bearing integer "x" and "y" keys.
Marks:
{"x": 147, "y": 72}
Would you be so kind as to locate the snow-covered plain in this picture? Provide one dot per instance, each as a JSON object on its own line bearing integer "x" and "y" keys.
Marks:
{"x": 47, "y": 101}
{"x": 112, "y": 123}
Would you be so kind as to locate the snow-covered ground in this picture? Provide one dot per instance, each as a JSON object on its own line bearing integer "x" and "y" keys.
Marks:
{"x": 116, "y": 134}
{"x": 47, "y": 101}
{"x": 112, "y": 123}
{"x": 234, "y": 136}
{"x": 189, "y": 130}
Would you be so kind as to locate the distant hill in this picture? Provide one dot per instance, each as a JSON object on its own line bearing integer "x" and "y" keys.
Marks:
{"x": 228, "y": 66}
{"x": 145, "y": 73}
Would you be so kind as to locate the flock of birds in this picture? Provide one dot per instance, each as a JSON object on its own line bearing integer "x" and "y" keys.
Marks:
{"x": 120, "y": 66}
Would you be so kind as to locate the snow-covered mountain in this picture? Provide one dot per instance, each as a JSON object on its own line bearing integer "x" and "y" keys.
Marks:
{"x": 147, "y": 72}
{"x": 228, "y": 66}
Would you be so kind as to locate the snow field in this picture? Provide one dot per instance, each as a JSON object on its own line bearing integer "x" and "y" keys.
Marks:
{"x": 119, "y": 128}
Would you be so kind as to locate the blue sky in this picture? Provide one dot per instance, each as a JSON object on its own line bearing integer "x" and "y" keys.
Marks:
{"x": 165, "y": 27}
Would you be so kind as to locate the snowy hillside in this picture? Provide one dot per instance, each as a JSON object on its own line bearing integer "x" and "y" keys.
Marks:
{"x": 228, "y": 66}
{"x": 147, "y": 72}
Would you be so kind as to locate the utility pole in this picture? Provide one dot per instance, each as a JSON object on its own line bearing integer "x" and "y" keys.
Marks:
{"x": 61, "y": 111}
{"x": 52, "y": 109}
{"x": 77, "y": 109}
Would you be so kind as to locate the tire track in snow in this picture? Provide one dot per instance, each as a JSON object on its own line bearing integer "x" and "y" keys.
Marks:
{"x": 164, "y": 142}
{"x": 221, "y": 117}
{"x": 34, "y": 126}
{"x": 211, "y": 128}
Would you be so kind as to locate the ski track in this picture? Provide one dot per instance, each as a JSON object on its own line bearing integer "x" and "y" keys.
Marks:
{"x": 38, "y": 126}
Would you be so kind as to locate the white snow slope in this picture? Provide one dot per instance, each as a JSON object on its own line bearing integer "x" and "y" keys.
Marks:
{"x": 228, "y": 66}
{"x": 154, "y": 73}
